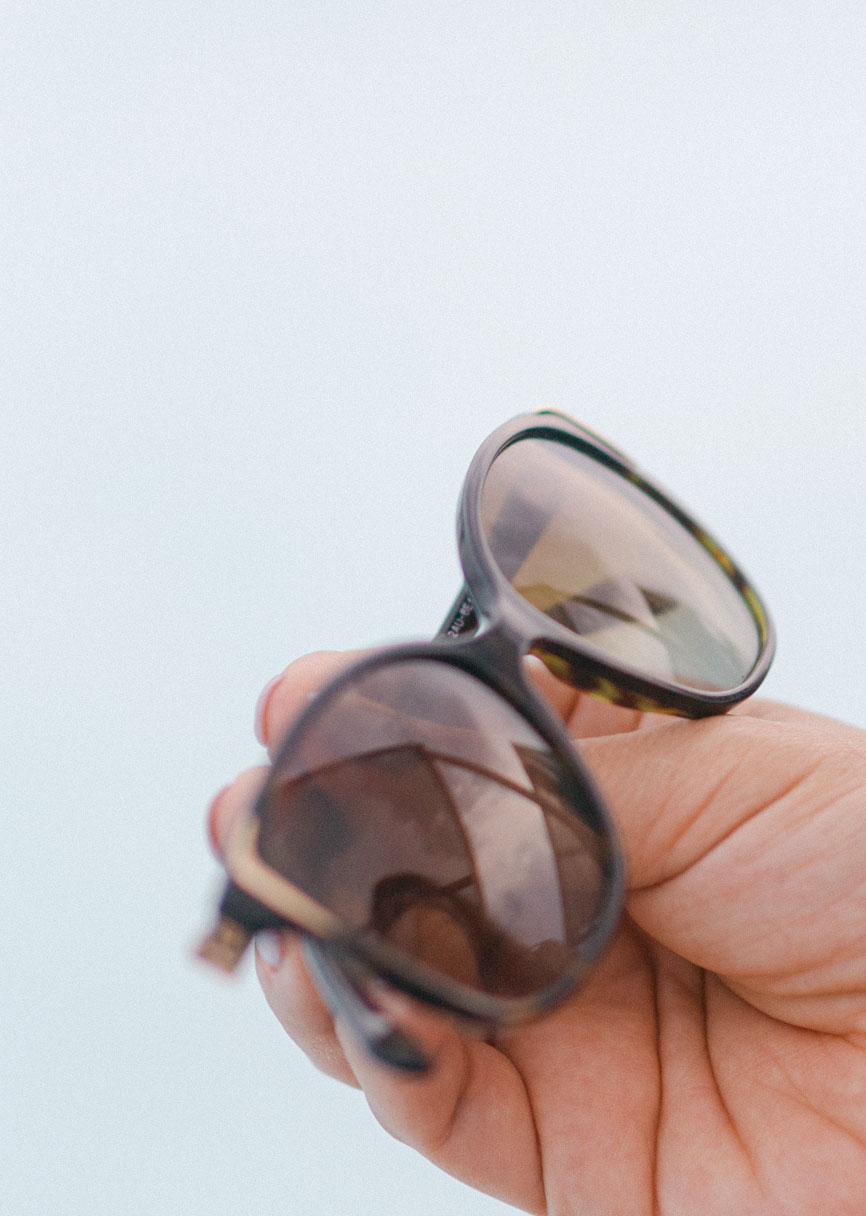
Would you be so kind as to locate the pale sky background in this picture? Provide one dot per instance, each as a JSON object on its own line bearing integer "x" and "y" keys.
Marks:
{"x": 269, "y": 273}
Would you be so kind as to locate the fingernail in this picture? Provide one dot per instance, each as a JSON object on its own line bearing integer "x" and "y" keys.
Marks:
{"x": 269, "y": 947}
{"x": 261, "y": 714}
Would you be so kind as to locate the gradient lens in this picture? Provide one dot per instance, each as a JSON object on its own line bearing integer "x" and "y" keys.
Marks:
{"x": 418, "y": 805}
{"x": 597, "y": 553}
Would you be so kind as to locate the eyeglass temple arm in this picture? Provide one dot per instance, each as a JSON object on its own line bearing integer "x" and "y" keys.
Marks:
{"x": 462, "y": 617}
{"x": 239, "y": 918}
{"x": 343, "y": 992}
{"x": 340, "y": 983}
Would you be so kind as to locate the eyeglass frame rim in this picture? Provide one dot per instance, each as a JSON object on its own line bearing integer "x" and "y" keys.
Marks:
{"x": 590, "y": 668}
{"x": 494, "y": 659}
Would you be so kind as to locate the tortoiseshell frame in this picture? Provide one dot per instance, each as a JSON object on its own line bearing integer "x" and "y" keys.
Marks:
{"x": 488, "y": 633}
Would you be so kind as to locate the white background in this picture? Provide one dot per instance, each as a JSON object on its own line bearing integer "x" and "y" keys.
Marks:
{"x": 269, "y": 274}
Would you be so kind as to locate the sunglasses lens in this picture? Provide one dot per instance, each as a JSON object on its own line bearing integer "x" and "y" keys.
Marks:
{"x": 418, "y": 806}
{"x": 597, "y": 553}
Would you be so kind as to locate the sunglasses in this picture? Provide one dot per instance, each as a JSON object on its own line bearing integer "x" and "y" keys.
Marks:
{"x": 427, "y": 821}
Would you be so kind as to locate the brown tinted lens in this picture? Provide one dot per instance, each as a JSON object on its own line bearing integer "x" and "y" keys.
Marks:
{"x": 596, "y": 553}
{"x": 420, "y": 806}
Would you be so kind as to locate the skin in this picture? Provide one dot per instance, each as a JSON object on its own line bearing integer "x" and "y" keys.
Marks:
{"x": 715, "y": 1063}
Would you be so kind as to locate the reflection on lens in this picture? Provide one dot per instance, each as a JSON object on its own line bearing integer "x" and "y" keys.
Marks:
{"x": 419, "y": 806}
{"x": 594, "y": 552}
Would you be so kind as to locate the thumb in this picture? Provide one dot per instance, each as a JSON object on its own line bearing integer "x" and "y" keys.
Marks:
{"x": 743, "y": 844}
{"x": 678, "y": 792}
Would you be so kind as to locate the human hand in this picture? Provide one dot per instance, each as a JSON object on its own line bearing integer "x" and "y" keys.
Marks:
{"x": 716, "y": 1059}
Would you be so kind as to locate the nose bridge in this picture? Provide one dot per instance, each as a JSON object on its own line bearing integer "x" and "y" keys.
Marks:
{"x": 499, "y": 650}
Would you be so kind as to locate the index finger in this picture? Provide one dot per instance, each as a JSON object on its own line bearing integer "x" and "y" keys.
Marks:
{"x": 284, "y": 697}
{"x": 287, "y": 695}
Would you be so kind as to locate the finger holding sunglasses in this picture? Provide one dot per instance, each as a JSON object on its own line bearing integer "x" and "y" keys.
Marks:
{"x": 470, "y": 1112}
{"x": 409, "y": 908}
{"x": 469, "y": 1092}
{"x": 741, "y": 996}
{"x": 284, "y": 698}
{"x": 307, "y": 984}
{"x": 660, "y": 842}
{"x": 297, "y": 1003}
{"x": 280, "y": 966}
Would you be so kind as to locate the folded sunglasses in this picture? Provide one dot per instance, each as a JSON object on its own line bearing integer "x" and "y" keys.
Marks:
{"x": 427, "y": 821}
